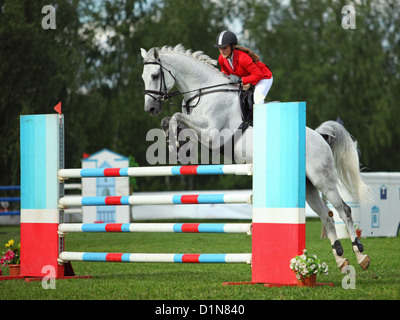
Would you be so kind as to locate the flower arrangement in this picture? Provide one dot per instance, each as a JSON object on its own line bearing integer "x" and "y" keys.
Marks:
{"x": 307, "y": 265}
{"x": 12, "y": 255}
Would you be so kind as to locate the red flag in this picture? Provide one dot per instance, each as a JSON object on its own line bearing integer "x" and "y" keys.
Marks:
{"x": 58, "y": 108}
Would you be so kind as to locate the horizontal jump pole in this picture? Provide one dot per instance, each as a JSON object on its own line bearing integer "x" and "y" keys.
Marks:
{"x": 156, "y": 257}
{"x": 237, "y": 169}
{"x": 160, "y": 200}
{"x": 157, "y": 227}
{"x": 10, "y": 199}
{"x": 72, "y": 186}
{"x": 10, "y": 188}
{"x": 10, "y": 213}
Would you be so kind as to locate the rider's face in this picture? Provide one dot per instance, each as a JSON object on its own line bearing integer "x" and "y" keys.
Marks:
{"x": 225, "y": 51}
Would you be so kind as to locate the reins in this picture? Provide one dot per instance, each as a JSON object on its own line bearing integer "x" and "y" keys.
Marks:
{"x": 164, "y": 95}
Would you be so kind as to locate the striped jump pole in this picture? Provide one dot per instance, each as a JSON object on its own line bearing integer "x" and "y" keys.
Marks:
{"x": 235, "y": 169}
{"x": 279, "y": 176}
{"x": 157, "y": 227}
{"x": 159, "y": 200}
{"x": 156, "y": 257}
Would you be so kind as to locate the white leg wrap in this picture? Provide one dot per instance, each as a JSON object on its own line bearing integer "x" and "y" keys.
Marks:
{"x": 340, "y": 260}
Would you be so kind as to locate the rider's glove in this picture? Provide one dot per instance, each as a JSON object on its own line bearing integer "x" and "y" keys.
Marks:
{"x": 234, "y": 79}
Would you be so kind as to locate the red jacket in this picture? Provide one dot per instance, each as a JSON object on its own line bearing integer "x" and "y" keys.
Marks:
{"x": 244, "y": 67}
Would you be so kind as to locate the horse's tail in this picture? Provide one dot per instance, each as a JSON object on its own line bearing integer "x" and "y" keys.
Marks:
{"x": 346, "y": 160}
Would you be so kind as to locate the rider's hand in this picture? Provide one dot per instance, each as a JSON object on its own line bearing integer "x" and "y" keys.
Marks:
{"x": 235, "y": 79}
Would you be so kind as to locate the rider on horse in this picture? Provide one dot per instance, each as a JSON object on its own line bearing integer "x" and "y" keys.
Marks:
{"x": 244, "y": 65}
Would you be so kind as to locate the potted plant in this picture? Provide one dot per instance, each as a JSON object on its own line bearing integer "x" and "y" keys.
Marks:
{"x": 11, "y": 258}
{"x": 306, "y": 267}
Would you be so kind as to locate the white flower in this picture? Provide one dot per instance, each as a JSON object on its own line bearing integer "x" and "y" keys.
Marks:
{"x": 306, "y": 265}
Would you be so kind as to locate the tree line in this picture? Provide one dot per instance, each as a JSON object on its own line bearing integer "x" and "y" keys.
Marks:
{"x": 91, "y": 62}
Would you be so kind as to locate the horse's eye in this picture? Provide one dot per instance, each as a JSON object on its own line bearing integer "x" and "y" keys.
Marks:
{"x": 155, "y": 76}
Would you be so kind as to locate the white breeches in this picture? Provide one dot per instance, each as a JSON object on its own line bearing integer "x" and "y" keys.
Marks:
{"x": 261, "y": 90}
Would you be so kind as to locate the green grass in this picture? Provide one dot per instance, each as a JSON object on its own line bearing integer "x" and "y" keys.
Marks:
{"x": 112, "y": 281}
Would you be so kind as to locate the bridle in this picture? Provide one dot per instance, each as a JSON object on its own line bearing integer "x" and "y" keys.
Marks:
{"x": 162, "y": 95}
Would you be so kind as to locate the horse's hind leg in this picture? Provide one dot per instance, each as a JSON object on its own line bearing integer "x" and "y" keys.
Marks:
{"x": 362, "y": 259}
{"x": 345, "y": 214}
{"x": 318, "y": 206}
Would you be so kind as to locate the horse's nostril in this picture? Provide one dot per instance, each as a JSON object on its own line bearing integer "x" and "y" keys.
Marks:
{"x": 149, "y": 109}
{"x": 153, "y": 109}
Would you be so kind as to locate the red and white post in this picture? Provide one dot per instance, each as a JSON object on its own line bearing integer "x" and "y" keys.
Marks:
{"x": 278, "y": 191}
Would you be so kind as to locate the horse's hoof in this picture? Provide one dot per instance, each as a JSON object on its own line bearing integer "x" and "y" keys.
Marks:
{"x": 165, "y": 123}
{"x": 345, "y": 263}
{"x": 365, "y": 263}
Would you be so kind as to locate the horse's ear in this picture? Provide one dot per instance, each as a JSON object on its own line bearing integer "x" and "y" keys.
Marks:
{"x": 144, "y": 53}
{"x": 155, "y": 52}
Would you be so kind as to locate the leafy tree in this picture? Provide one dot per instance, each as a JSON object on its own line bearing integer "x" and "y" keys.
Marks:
{"x": 339, "y": 72}
{"x": 38, "y": 68}
{"x": 92, "y": 63}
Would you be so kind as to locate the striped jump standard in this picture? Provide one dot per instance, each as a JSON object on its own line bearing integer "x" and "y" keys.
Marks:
{"x": 279, "y": 191}
{"x": 278, "y": 199}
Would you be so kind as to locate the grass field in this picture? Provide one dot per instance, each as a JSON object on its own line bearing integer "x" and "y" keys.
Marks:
{"x": 127, "y": 281}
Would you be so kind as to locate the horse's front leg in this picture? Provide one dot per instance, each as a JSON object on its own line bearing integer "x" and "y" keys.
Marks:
{"x": 180, "y": 121}
{"x": 165, "y": 127}
{"x": 176, "y": 143}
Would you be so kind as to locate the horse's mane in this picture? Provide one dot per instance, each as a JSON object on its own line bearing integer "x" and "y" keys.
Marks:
{"x": 197, "y": 55}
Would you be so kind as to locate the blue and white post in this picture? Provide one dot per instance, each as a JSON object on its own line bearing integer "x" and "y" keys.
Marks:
{"x": 41, "y": 157}
{"x": 278, "y": 191}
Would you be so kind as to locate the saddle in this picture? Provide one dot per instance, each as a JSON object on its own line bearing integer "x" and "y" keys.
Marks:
{"x": 246, "y": 99}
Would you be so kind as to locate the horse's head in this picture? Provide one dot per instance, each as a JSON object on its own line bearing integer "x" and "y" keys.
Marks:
{"x": 158, "y": 80}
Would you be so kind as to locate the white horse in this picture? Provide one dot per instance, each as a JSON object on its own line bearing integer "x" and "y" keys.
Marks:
{"x": 211, "y": 104}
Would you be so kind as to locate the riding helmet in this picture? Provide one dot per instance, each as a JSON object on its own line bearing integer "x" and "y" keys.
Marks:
{"x": 225, "y": 38}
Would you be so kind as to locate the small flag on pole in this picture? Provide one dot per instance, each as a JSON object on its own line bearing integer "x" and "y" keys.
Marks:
{"x": 58, "y": 108}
